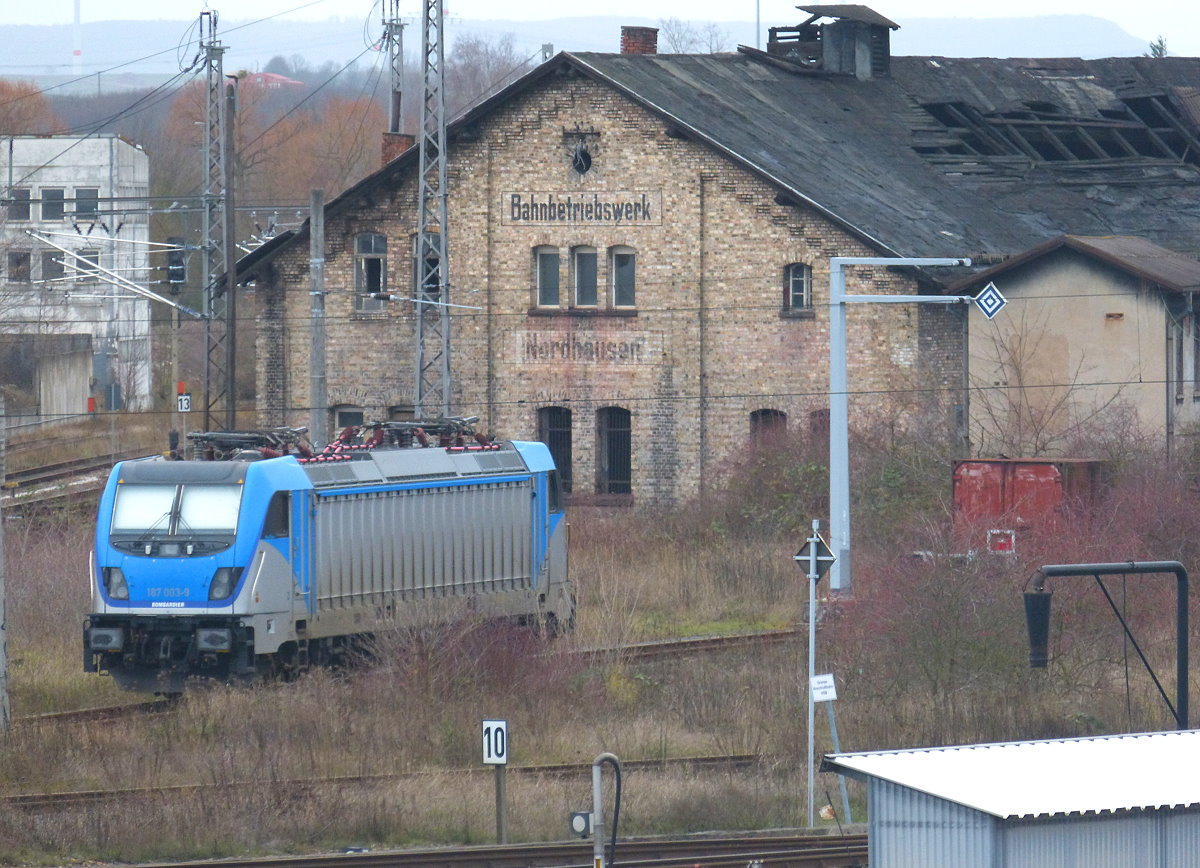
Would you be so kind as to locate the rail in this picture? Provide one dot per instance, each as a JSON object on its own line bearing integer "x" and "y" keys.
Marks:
{"x": 62, "y": 479}
{"x": 57, "y": 801}
{"x": 776, "y": 851}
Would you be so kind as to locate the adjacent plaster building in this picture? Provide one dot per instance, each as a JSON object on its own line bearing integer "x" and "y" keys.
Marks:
{"x": 75, "y": 336}
{"x": 1096, "y": 329}
{"x": 640, "y": 243}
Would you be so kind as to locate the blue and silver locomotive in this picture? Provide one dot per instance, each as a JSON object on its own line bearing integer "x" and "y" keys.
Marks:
{"x": 257, "y": 556}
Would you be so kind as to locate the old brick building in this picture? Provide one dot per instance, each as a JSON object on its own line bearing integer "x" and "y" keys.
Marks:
{"x": 641, "y": 247}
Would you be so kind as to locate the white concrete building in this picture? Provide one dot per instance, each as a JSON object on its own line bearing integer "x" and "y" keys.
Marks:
{"x": 87, "y": 195}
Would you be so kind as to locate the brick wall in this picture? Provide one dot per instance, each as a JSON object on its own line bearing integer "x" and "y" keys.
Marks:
{"x": 705, "y": 345}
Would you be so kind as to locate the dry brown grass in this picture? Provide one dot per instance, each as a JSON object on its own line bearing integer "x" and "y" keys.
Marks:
{"x": 100, "y": 435}
{"x": 928, "y": 652}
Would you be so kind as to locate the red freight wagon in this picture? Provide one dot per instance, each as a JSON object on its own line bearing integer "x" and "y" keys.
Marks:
{"x": 1016, "y": 494}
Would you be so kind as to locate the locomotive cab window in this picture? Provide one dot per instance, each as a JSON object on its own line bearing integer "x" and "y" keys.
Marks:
{"x": 276, "y": 524}
{"x": 179, "y": 520}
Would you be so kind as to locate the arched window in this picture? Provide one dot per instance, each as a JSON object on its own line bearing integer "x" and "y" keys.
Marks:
{"x": 370, "y": 271}
{"x": 547, "y": 265}
{"x": 797, "y": 287}
{"x": 614, "y": 451}
{"x": 622, "y": 262}
{"x": 767, "y": 426}
{"x": 554, "y": 429}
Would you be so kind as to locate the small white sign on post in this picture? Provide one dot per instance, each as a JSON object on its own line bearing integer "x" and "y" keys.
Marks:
{"x": 495, "y": 742}
{"x": 822, "y": 688}
{"x": 183, "y": 402}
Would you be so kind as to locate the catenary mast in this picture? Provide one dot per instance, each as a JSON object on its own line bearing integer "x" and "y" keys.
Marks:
{"x": 220, "y": 406}
{"x": 432, "y": 295}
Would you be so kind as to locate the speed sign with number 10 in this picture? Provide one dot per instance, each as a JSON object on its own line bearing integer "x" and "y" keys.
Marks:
{"x": 495, "y": 742}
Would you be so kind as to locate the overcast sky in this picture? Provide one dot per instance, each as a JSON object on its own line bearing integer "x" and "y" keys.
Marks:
{"x": 1178, "y": 21}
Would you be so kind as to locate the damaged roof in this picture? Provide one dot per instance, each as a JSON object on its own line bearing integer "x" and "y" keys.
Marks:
{"x": 944, "y": 157}
{"x": 1032, "y": 148}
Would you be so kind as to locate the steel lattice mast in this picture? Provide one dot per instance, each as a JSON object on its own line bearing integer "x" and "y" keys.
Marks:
{"x": 433, "y": 292}
{"x": 394, "y": 36}
{"x": 219, "y": 297}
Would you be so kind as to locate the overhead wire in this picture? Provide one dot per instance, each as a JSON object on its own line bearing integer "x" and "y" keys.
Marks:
{"x": 306, "y": 98}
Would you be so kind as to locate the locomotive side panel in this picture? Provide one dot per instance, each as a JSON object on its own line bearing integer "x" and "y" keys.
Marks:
{"x": 377, "y": 549}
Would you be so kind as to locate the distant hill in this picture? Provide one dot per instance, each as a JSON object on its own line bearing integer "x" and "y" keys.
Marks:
{"x": 159, "y": 48}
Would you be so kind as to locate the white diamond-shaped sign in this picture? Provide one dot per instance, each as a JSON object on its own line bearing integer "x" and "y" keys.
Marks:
{"x": 990, "y": 300}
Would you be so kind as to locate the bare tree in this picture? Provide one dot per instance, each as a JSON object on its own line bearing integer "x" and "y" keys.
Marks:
{"x": 1028, "y": 400}
{"x": 685, "y": 37}
{"x": 477, "y": 67}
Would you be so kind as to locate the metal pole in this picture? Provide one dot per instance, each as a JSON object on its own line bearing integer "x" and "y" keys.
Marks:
{"x": 839, "y": 415}
{"x": 837, "y": 748}
{"x": 839, "y": 434}
{"x": 317, "y": 398}
{"x": 5, "y": 711}
{"x": 501, "y": 803}
{"x": 1181, "y": 611}
{"x": 813, "y": 577}
{"x": 597, "y": 816}
{"x": 178, "y": 417}
{"x": 394, "y": 34}
{"x": 598, "y": 857}
{"x": 230, "y": 252}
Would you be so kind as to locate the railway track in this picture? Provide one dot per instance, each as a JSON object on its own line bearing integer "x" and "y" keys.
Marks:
{"x": 664, "y": 648}
{"x": 697, "y": 851}
{"x": 59, "y": 801}
{"x": 62, "y": 479}
{"x": 652, "y": 650}
{"x": 103, "y": 713}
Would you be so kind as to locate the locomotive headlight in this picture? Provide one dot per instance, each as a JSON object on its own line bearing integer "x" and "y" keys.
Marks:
{"x": 223, "y": 583}
{"x": 106, "y": 638}
{"x": 114, "y": 583}
{"x": 214, "y": 639}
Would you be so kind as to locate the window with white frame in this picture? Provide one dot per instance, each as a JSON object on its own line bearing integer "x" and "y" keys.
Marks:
{"x": 19, "y": 266}
{"x": 584, "y": 276}
{"x": 52, "y": 265}
{"x": 622, "y": 263}
{"x": 87, "y": 266}
{"x": 18, "y": 203}
{"x": 797, "y": 287}
{"x": 53, "y": 203}
{"x": 87, "y": 202}
{"x": 370, "y": 271}
{"x": 547, "y": 264}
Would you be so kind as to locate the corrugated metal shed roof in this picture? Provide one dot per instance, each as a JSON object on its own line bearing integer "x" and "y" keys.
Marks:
{"x": 1045, "y": 778}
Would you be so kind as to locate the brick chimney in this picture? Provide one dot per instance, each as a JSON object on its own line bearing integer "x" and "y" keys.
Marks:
{"x": 395, "y": 144}
{"x": 639, "y": 40}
